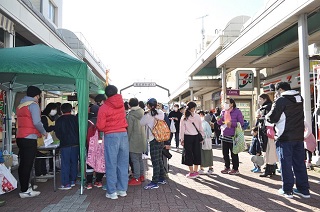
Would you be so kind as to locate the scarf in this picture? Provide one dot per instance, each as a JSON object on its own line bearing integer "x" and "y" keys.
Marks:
{"x": 227, "y": 116}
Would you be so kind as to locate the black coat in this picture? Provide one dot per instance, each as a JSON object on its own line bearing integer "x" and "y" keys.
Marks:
{"x": 67, "y": 130}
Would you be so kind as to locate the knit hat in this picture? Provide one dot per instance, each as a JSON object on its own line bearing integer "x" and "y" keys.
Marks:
{"x": 94, "y": 110}
{"x": 33, "y": 91}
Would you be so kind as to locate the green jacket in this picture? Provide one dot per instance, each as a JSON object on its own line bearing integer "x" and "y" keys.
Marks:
{"x": 136, "y": 132}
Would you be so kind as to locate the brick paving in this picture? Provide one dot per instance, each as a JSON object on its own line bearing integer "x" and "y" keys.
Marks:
{"x": 217, "y": 192}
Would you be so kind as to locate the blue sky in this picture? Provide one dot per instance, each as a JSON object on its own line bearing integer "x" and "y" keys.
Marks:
{"x": 149, "y": 40}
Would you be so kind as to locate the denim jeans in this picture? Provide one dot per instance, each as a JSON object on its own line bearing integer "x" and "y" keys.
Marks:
{"x": 137, "y": 163}
{"x": 69, "y": 164}
{"x": 291, "y": 157}
{"x": 117, "y": 161}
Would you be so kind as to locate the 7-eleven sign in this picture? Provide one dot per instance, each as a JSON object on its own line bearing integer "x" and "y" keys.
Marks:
{"x": 244, "y": 80}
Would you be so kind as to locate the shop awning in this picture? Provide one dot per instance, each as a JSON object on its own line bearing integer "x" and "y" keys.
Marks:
{"x": 6, "y": 24}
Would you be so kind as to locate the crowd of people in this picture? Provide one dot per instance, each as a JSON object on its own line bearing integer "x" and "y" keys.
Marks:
{"x": 120, "y": 133}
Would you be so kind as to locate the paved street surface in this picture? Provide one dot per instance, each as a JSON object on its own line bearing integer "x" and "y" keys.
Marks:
{"x": 217, "y": 192}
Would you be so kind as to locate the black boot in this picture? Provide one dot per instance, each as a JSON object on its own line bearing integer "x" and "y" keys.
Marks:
{"x": 267, "y": 172}
{"x": 273, "y": 169}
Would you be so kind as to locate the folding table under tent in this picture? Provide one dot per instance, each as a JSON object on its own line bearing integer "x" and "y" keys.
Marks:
{"x": 50, "y": 70}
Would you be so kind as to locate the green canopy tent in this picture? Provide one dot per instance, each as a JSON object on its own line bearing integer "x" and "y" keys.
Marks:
{"x": 50, "y": 70}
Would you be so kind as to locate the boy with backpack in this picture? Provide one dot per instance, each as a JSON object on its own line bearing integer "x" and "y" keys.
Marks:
{"x": 95, "y": 152}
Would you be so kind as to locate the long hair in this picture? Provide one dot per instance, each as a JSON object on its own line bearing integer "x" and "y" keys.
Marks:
{"x": 153, "y": 106}
{"x": 233, "y": 102}
{"x": 188, "y": 113}
{"x": 266, "y": 97}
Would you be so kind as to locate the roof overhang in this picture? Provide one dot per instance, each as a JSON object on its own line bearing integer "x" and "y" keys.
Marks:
{"x": 278, "y": 17}
{"x": 199, "y": 87}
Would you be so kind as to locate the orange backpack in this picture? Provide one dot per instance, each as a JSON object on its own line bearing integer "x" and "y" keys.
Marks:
{"x": 160, "y": 130}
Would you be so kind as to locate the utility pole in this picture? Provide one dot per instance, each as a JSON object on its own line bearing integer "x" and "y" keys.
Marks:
{"x": 202, "y": 30}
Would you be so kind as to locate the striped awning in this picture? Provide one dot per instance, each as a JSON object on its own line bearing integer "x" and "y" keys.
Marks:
{"x": 6, "y": 24}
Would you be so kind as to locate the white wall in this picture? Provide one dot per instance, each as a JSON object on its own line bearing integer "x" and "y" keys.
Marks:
{"x": 58, "y": 12}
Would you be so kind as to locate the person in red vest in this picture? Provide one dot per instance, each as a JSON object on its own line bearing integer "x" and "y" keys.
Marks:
{"x": 30, "y": 128}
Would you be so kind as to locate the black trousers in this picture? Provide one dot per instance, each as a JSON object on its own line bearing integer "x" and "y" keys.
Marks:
{"x": 226, "y": 148}
{"x": 192, "y": 148}
{"x": 27, "y": 154}
{"x": 40, "y": 165}
{"x": 89, "y": 173}
{"x": 176, "y": 138}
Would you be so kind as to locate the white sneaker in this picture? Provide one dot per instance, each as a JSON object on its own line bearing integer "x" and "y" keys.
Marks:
{"x": 29, "y": 193}
{"x": 112, "y": 196}
{"x": 34, "y": 186}
{"x": 122, "y": 193}
{"x": 201, "y": 171}
{"x": 210, "y": 171}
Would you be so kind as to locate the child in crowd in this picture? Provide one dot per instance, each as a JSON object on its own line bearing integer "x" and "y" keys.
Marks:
{"x": 255, "y": 148}
{"x": 137, "y": 141}
{"x": 67, "y": 130}
{"x": 206, "y": 154}
{"x": 95, "y": 151}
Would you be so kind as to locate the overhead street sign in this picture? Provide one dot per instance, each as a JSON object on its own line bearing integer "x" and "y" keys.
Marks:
{"x": 144, "y": 84}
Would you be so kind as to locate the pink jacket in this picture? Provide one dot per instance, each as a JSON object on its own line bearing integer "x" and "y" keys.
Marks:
{"x": 187, "y": 128}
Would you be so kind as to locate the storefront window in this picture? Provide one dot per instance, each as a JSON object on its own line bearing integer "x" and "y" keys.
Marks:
{"x": 245, "y": 109}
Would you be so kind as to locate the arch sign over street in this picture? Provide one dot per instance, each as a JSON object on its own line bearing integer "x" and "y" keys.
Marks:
{"x": 145, "y": 84}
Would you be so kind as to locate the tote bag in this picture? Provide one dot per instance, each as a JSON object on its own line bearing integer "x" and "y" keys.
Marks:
{"x": 7, "y": 181}
{"x": 95, "y": 156}
{"x": 238, "y": 140}
{"x": 172, "y": 127}
{"x": 207, "y": 143}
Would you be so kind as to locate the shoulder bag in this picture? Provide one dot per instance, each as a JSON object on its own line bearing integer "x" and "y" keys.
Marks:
{"x": 199, "y": 136}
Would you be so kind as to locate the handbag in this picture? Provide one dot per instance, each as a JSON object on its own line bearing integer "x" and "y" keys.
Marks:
{"x": 207, "y": 143}
{"x": 199, "y": 136}
{"x": 172, "y": 127}
{"x": 7, "y": 181}
{"x": 95, "y": 155}
{"x": 238, "y": 140}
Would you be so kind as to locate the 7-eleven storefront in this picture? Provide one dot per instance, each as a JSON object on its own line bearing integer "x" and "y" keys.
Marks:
{"x": 293, "y": 77}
